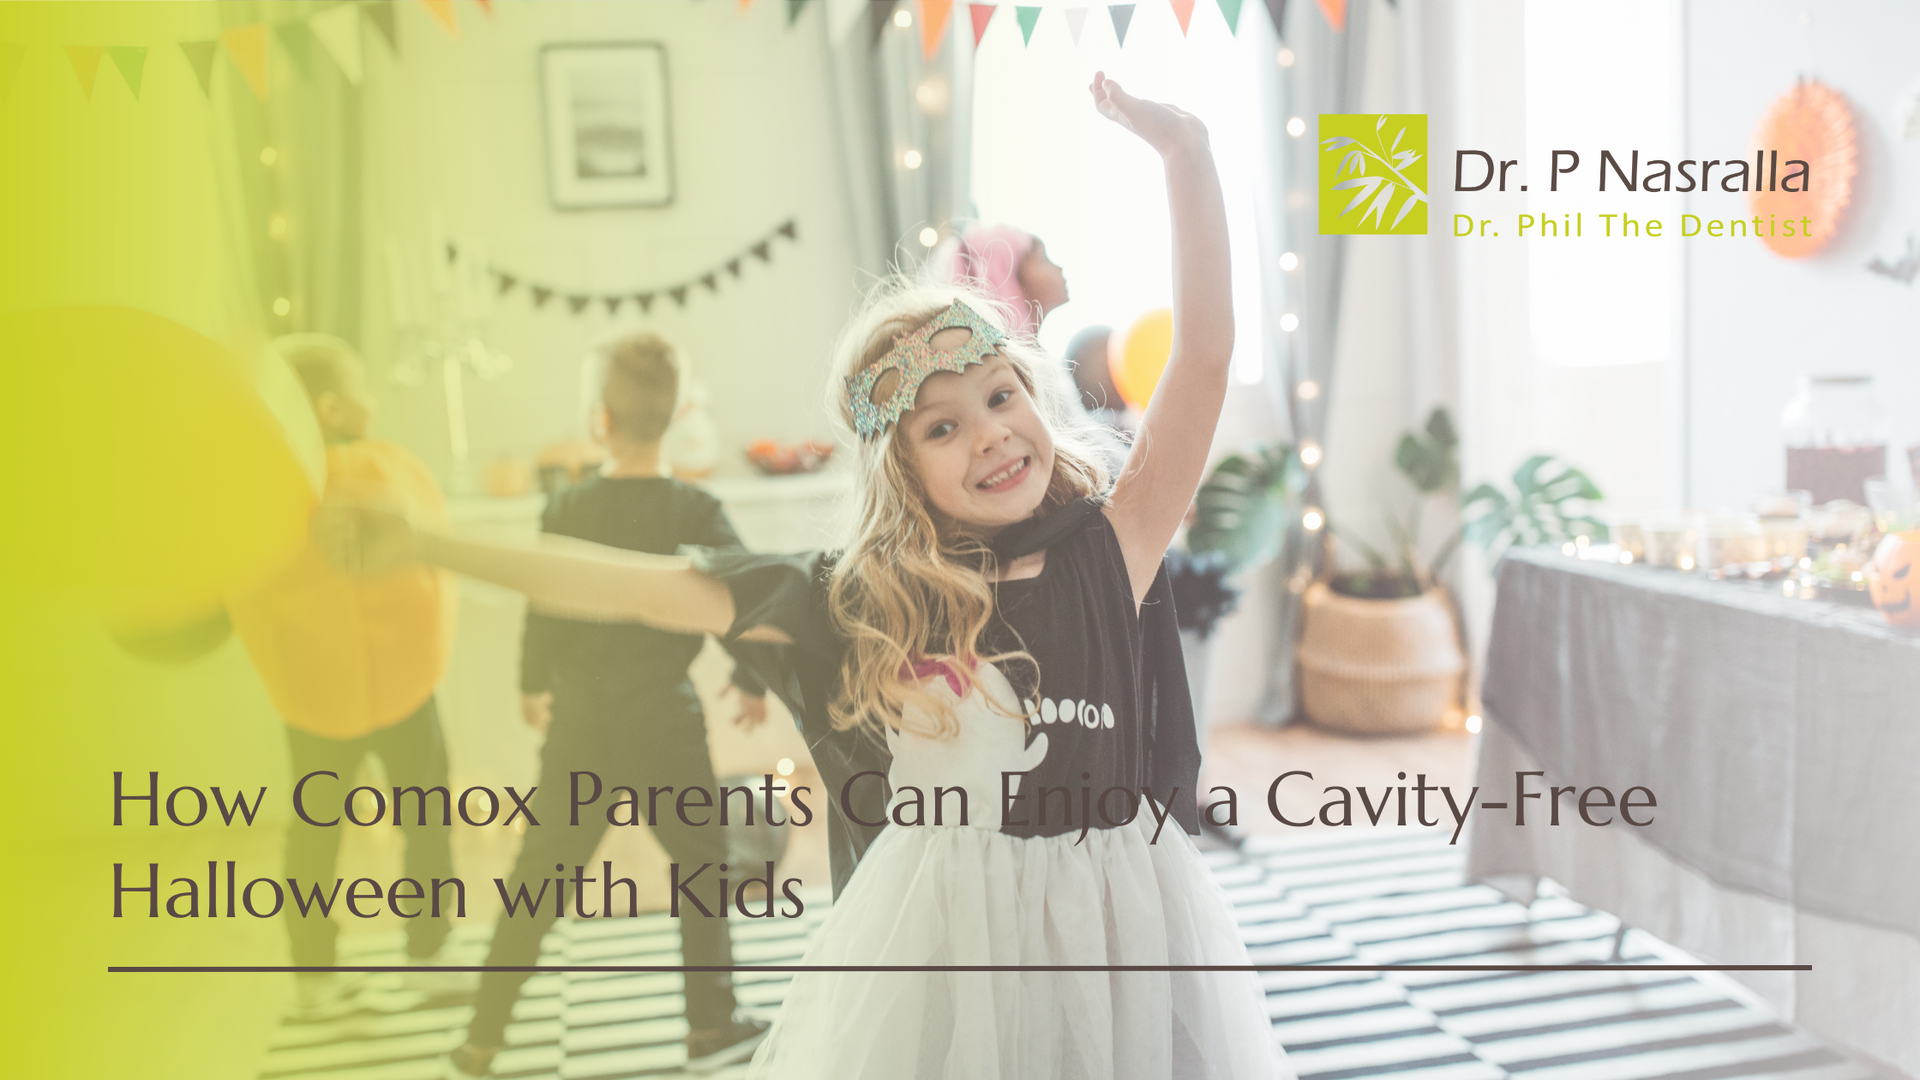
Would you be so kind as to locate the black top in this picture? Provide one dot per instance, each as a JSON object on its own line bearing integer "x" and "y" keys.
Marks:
{"x": 1111, "y": 698}
{"x": 623, "y": 666}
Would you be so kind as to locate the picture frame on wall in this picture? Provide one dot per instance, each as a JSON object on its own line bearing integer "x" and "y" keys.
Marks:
{"x": 609, "y": 131}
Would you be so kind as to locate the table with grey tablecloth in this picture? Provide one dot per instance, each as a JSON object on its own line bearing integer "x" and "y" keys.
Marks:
{"x": 1780, "y": 736}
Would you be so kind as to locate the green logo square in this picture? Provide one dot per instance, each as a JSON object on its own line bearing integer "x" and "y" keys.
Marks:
{"x": 1373, "y": 173}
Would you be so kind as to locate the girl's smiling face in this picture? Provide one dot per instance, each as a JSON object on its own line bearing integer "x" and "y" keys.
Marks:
{"x": 977, "y": 442}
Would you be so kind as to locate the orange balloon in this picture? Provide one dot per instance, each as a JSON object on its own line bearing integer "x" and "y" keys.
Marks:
{"x": 1809, "y": 123}
{"x": 153, "y": 478}
{"x": 1138, "y": 357}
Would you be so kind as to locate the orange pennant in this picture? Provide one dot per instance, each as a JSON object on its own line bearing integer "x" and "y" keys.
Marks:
{"x": 1182, "y": 10}
{"x": 442, "y": 12}
{"x": 247, "y": 45}
{"x": 933, "y": 25}
{"x": 486, "y": 6}
{"x": 86, "y": 64}
{"x": 1335, "y": 11}
{"x": 745, "y": 4}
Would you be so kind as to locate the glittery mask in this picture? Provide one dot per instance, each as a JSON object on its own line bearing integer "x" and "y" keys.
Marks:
{"x": 913, "y": 358}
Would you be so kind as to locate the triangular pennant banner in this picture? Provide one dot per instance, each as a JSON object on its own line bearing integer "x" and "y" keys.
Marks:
{"x": 878, "y": 12}
{"x": 711, "y": 281}
{"x": 338, "y": 30}
{"x": 1121, "y": 14}
{"x": 763, "y": 251}
{"x": 982, "y": 14}
{"x": 1027, "y": 17}
{"x": 247, "y": 47}
{"x": 541, "y": 294}
{"x": 613, "y": 303}
{"x": 1076, "y": 22}
{"x": 579, "y": 303}
{"x": 794, "y": 8}
{"x": 934, "y": 16}
{"x": 1231, "y": 9}
{"x": 297, "y": 40}
{"x": 200, "y": 58}
{"x": 505, "y": 282}
{"x": 733, "y": 266}
{"x": 10, "y": 56}
{"x": 645, "y": 300}
{"x": 132, "y": 62}
{"x": 788, "y": 229}
{"x": 380, "y": 14}
{"x": 443, "y": 13}
{"x": 86, "y": 65}
{"x": 1183, "y": 11}
{"x": 679, "y": 294}
{"x": 486, "y": 6}
{"x": 1336, "y": 13}
{"x": 745, "y": 4}
{"x": 1277, "y": 11}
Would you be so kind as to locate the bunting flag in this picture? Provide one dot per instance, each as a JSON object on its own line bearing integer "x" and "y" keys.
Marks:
{"x": 733, "y": 266}
{"x": 10, "y": 55}
{"x": 338, "y": 31}
{"x": 934, "y": 16}
{"x": 1027, "y": 17}
{"x": 1183, "y": 11}
{"x": 296, "y": 40}
{"x": 1277, "y": 11}
{"x": 1076, "y": 22}
{"x": 1121, "y": 14}
{"x": 200, "y": 58}
{"x": 1336, "y": 13}
{"x": 86, "y": 65}
{"x": 1231, "y": 9}
{"x": 982, "y": 15}
{"x": 132, "y": 62}
{"x": 794, "y": 8}
{"x": 443, "y": 13}
{"x": 247, "y": 46}
{"x": 879, "y": 12}
{"x": 380, "y": 14}
{"x": 487, "y": 6}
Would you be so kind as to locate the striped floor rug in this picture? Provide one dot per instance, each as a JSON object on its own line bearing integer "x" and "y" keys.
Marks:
{"x": 1388, "y": 898}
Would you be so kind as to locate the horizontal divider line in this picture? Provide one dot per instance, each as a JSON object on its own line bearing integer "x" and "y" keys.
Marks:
{"x": 273, "y": 969}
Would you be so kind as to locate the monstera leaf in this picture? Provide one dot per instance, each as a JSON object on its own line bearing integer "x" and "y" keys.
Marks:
{"x": 1430, "y": 461}
{"x": 1245, "y": 508}
{"x": 1548, "y": 505}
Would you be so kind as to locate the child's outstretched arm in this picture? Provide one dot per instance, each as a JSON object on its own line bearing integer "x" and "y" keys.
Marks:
{"x": 1170, "y": 452}
{"x": 571, "y": 578}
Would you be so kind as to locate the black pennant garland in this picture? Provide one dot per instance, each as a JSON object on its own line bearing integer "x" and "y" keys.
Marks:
{"x": 733, "y": 266}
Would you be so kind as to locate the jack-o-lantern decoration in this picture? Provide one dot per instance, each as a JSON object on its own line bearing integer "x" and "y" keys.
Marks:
{"x": 1804, "y": 162}
{"x": 1896, "y": 578}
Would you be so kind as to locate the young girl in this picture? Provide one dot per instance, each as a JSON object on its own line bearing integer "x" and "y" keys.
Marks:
{"x": 977, "y": 672}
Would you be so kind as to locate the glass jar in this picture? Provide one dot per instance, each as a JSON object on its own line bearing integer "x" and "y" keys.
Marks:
{"x": 1836, "y": 434}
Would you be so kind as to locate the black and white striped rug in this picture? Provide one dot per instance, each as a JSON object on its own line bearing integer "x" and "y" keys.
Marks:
{"x": 1389, "y": 897}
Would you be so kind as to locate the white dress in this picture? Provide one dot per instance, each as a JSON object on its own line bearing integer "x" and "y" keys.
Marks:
{"x": 973, "y": 895}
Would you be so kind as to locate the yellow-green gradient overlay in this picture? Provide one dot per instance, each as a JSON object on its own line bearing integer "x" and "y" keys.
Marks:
{"x": 147, "y": 475}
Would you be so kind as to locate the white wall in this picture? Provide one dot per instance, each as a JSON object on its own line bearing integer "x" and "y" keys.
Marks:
{"x": 456, "y": 126}
{"x": 1757, "y": 321}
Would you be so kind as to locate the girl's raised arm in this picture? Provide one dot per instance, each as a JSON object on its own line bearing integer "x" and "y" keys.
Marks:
{"x": 570, "y": 578}
{"x": 1170, "y": 452}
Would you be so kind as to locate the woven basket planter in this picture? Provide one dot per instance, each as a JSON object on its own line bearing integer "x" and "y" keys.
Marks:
{"x": 1378, "y": 666}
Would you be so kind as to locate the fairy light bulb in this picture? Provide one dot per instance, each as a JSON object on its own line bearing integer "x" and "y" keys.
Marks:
{"x": 268, "y": 155}
{"x": 784, "y": 766}
{"x": 1473, "y": 724}
{"x": 929, "y": 236}
{"x": 1289, "y": 322}
{"x": 1308, "y": 390}
{"x": 1285, "y": 57}
{"x": 911, "y": 159}
{"x": 1309, "y": 454}
{"x": 1289, "y": 261}
{"x": 902, "y": 18}
{"x": 281, "y": 306}
{"x": 1312, "y": 519}
{"x": 1296, "y": 127}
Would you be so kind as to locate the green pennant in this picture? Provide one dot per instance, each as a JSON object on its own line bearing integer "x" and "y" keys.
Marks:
{"x": 10, "y": 55}
{"x": 296, "y": 39}
{"x": 200, "y": 57}
{"x": 1231, "y": 9}
{"x": 794, "y": 8}
{"x": 132, "y": 62}
{"x": 380, "y": 14}
{"x": 1122, "y": 15}
{"x": 1028, "y": 17}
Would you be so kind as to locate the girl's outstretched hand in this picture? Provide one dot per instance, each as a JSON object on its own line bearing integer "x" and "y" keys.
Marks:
{"x": 1163, "y": 127}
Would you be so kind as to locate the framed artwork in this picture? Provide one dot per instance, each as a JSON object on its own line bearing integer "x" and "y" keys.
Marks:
{"x": 608, "y": 137}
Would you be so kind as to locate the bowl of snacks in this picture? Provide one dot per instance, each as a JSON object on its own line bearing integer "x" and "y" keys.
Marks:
{"x": 788, "y": 459}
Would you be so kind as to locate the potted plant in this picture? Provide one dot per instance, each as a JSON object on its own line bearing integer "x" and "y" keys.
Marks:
{"x": 1380, "y": 647}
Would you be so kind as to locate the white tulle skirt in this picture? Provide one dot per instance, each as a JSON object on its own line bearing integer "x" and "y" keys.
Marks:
{"x": 977, "y": 896}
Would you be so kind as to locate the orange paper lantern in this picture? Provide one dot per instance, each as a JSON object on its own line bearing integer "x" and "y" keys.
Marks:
{"x": 1810, "y": 123}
